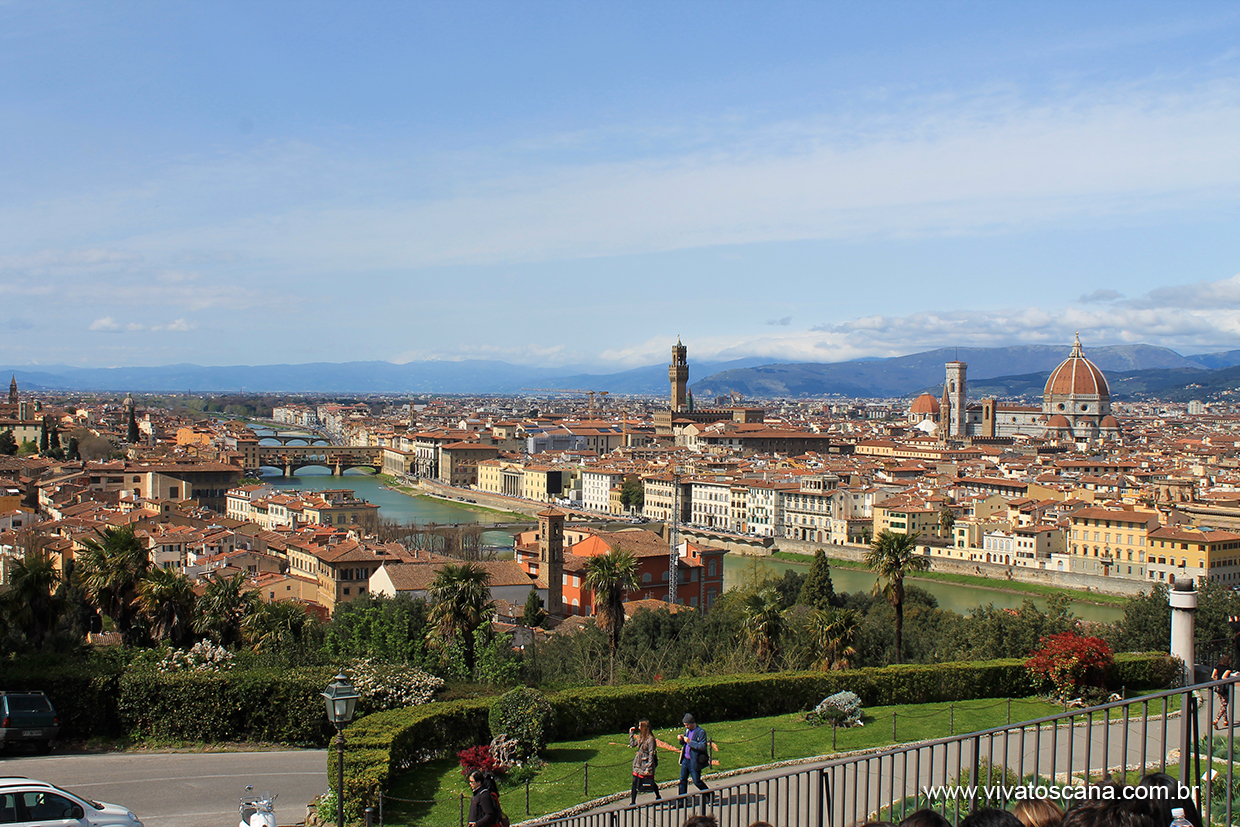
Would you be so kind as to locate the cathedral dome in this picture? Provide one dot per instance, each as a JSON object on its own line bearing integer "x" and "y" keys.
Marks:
{"x": 925, "y": 404}
{"x": 1058, "y": 421}
{"x": 1109, "y": 421}
{"x": 1077, "y": 376}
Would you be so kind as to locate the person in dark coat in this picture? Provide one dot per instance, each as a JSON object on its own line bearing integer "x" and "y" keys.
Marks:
{"x": 484, "y": 806}
{"x": 694, "y": 754}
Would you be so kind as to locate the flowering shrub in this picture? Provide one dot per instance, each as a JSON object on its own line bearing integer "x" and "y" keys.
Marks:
{"x": 203, "y": 656}
{"x": 392, "y": 686}
{"x": 1069, "y": 662}
{"x": 477, "y": 758}
{"x": 840, "y": 709}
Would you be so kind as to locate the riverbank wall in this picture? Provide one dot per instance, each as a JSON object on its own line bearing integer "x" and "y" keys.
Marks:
{"x": 497, "y": 501}
{"x": 1075, "y": 581}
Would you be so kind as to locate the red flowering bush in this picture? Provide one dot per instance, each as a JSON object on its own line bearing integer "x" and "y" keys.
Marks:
{"x": 477, "y": 758}
{"x": 1068, "y": 662}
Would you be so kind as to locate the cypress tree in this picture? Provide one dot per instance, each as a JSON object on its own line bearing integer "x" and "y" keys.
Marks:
{"x": 818, "y": 590}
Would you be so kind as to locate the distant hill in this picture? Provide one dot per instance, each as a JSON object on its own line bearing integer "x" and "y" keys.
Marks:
{"x": 903, "y": 375}
{"x": 1015, "y": 370}
{"x": 1217, "y": 361}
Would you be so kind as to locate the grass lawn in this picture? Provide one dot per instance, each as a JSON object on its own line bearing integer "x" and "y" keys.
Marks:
{"x": 562, "y": 783}
{"x": 968, "y": 580}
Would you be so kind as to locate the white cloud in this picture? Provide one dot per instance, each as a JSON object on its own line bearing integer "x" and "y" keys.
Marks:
{"x": 178, "y": 326}
{"x": 104, "y": 323}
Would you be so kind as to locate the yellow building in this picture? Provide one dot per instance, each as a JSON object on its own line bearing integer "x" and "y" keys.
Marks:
{"x": 1111, "y": 542}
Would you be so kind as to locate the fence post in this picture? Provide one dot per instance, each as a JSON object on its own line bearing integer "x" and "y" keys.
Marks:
{"x": 893, "y": 725}
{"x": 370, "y": 816}
{"x": 527, "y": 796}
{"x": 834, "y": 729}
{"x": 462, "y": 809}
{"x": 587, "y": 780}
{"x": 951, "y": 718}
{"x": 1009, "y": 710}
{"x": 772, "y": 743}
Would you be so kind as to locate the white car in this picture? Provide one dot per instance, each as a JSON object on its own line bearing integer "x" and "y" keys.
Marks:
{"x": 25, "y": 801}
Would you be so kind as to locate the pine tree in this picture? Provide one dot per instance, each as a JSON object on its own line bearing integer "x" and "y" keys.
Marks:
{"x": 131, "y": 434}
{"x": 43, "y": 437}
{"x": 533, "y": 614}
{"x": 8, "y": 444}
{"x": 818, "y": 591}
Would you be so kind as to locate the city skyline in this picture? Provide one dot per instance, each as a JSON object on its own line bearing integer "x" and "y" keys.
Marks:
{"x": 228, "y": 184}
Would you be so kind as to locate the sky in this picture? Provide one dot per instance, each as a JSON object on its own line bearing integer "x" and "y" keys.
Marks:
{"x": 579, "y": 184}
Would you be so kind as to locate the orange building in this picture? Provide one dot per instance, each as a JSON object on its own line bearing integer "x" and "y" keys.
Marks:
{"x": 700, "y": 568}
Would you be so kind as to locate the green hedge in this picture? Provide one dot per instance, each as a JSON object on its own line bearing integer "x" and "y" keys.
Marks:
{"x": 236, "y": 705}
{"x": 85, "y": 697}
{"x": 384, "y": 744}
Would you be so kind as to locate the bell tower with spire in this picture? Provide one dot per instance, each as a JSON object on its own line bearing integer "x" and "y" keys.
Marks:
{"x": 13, "y": 398}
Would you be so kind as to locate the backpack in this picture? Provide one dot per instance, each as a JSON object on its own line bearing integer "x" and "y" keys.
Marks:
{"x": 503, "y": 819}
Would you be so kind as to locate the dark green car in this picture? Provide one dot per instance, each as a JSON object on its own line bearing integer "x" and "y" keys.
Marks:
{"x": 28, "y": 717}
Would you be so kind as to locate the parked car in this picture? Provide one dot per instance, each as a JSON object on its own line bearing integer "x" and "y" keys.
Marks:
{"x": 25, "y": 800}
{"x": 28, "y": 717}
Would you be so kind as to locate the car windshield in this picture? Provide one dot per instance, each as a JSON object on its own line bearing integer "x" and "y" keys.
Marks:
{"x": 80, "y": 797}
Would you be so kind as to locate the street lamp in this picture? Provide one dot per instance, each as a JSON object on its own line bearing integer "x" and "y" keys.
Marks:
{"x": 341, "y": 700}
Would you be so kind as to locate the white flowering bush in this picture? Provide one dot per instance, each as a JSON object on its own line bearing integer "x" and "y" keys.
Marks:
{"x": 840, "y": 709}
{"x": 392, "y": 686}
{"x": 203, "y": 656}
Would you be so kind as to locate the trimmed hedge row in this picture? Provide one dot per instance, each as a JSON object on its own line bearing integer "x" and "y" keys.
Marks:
{"x": 101, "y": 700}
{"x": 382, "y": 745}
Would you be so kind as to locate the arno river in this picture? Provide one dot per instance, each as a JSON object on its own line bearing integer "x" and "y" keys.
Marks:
{"x": 394, "y": 505}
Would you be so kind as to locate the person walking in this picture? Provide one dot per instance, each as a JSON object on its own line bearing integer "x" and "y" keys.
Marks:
{"x": 1221, "y": 672}
{"x": 694, "y": 754}
{"x": 484, "y": 809}
{"x": 645, "y": 762}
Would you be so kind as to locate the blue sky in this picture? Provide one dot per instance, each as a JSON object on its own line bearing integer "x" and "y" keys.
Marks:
{"x": 578, "y": 183}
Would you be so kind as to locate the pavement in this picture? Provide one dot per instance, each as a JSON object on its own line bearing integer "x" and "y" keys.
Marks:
{"x": 183, "y": 789}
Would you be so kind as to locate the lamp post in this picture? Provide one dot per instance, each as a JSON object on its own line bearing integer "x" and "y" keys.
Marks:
{"x": 341, "y": 700}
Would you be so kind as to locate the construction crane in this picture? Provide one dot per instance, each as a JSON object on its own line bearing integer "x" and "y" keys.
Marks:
{"x": 591, "y": 394}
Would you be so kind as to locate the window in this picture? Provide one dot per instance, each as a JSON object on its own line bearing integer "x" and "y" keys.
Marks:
{"x": 346, "y": 590}
{"x": 174, "y": 492}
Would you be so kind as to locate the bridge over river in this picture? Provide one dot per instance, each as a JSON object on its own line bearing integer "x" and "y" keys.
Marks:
{"x": 337, "y": 458}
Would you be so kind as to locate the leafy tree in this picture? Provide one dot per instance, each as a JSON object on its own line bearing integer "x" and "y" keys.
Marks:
{"x": 72, "y": 450}
{"x": 111, "y": 568}
{"x": 999, "y": 633}
{"x": 166, "y": 599}
{"x": 498, "y": 664}
{"x": 818, "y": 592}
{"x": 890, "y": 557}
{"x": 376, "y": 626}
{"x": 633, "y": 493}
{"x": 461, "y": 602}
{"x": 610, "y": 576}
{"x": 534, "y": 614}
{"x": 223, "y": 607}
{"x": 764, "y": 623}
{"x": 28, "y": 448}
{"x": 789, "y": 587}
{"x": 8, "y": 444}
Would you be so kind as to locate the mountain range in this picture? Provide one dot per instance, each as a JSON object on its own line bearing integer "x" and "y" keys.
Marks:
{"x": 1006, "y": 371}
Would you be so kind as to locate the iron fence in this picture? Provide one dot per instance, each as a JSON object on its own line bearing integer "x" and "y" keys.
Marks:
{"x": 1118, "y": 741}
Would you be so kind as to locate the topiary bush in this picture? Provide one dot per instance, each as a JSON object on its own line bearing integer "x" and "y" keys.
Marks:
{"x": 524, "y": 715}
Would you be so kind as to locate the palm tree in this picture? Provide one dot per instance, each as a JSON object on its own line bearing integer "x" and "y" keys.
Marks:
{"x": 224, "y": 605}
{"x": 111, "y": 568}
{"x": 610, "y": 576}
{"x": 461, "y": 595}
{"x": 166, "y": 599}
{"x": 831, "y": 634}
{"x": 274, "y": 627}
{"x": 31, "y": 603}
{"x": 890, "y": 556}
{"x": 764, "y": 622}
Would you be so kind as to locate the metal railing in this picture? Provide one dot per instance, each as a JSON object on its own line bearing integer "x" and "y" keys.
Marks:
{"x": 1119, "y": 741}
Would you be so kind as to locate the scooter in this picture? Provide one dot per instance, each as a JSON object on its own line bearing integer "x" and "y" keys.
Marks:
{"x": 257, "y": 811}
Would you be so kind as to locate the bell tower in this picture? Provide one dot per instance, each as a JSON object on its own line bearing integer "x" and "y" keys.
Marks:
{"x": 13, "y": 397}
{"x": 551, "y": 558}
{"x": 678, "y": 374}
{"x": 954, "y": 392}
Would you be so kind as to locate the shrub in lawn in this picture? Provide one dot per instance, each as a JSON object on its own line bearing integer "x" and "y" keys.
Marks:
{"x": 1070, "y": 662}
{"x": 392, "y": 685}
{"x": 477, "y": 758}
{"x": 524, "y": 715}
{"x": 840, "y": 709}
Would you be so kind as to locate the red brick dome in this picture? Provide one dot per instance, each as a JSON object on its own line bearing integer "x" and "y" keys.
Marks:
{"x": 1077, "y": 376}
{"x": 1058, "y": 421}
{"x": 925, "y": 404}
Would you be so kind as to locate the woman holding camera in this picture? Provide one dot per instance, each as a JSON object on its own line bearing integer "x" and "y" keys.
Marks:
{"x": 646, "y": 760}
